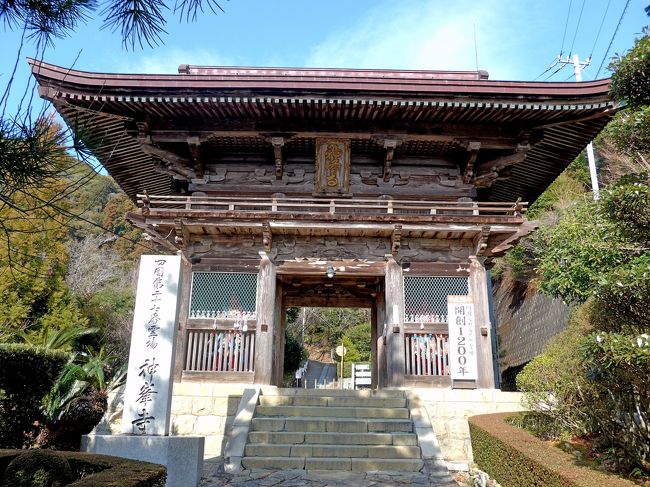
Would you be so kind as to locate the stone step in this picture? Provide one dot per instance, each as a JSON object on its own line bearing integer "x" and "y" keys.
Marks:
{"x": 334, "y": 401}
{"x": 336, "y": 463}
{"x": 297, "y": 438}
{"x": 331, "y": 425}
{"x": 331, "y": 451}
{"x": 384, "y": 393}
{"x": 334, "y": 412}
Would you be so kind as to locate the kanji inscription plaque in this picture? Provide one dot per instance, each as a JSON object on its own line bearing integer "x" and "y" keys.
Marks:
{"x": 332, "y": 167}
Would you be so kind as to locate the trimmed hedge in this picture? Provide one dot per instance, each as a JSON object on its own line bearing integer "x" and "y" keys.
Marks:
{"x": 27, "y": 373}
{"x": 515, "y": 458}
{"x": 99, "y": 470}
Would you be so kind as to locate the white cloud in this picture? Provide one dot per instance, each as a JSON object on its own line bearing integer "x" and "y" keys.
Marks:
{"x": 168, "y": 60}
{"x": 418, "y": 34}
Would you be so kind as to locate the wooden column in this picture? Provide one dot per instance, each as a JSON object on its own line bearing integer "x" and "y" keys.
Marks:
{"x": 185, "y": 285}
{"x": 395, "y": 324}
{"x": 278, "y": 339}
{"x": 478, "y": 292}
{"x": 264, "y": 333}
{"x": 373, "y": 347}
{"x": 380, "y": 307}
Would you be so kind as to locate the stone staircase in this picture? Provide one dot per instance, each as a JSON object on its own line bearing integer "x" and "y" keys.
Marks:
{"x": 323, "y": 429}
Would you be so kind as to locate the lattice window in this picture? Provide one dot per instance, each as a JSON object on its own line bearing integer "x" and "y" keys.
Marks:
{"x": 223, "y": 295}
{"x": 425, "y": 297}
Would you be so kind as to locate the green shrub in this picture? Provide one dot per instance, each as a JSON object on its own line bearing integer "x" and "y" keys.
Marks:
{"x": 294, "y": 353}
{"x": 38, "y": 468}
{"x": 26, "y": 375}
{"x": 514, "y": 458}
{"x": 98, "y": 470}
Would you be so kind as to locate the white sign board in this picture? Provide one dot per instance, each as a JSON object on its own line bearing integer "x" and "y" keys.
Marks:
{"x": 462, "y": 338}
{"x": 147, "y": 398}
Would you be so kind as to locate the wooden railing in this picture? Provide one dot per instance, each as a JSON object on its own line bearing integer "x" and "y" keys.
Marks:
{"x": 220, "y": 350}
{"x": 426, "y": 354}
{"x": 331, "y": 206}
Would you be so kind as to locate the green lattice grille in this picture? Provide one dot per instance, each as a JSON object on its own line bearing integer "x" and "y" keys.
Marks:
{"x": 223, "y": 295}
{"x": 425, "y": 297}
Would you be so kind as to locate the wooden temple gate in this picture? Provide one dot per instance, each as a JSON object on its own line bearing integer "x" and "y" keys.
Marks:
{"x": 387, "y": 190}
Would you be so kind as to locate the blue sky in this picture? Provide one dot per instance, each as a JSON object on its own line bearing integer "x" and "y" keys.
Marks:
{"x": 516, "y": 39}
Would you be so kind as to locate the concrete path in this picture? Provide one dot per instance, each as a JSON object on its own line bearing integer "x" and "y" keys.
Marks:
{"x": 214, "y": 476}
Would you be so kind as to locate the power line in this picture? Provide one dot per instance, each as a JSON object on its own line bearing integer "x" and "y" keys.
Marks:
{"x": 612, "y": 39}
{"x": 575, "y": 34}
{"x": 566, "y": 24}
{"x": 601, "y": 27}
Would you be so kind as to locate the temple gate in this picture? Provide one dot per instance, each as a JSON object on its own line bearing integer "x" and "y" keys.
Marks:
{"x": 389, "y": 190}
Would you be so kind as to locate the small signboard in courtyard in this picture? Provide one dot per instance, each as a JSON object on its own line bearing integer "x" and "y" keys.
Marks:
{"x": 147, "y": 398}
{"x": 462, "y": 339}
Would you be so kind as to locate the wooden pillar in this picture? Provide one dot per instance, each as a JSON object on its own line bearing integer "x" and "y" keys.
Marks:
{"x": 394, "y": 292}
{"x": 264, "y": 333}
{"x": 278, "y": 341}
{"x": 478, "y": 291}
{"x": 185, "y": 285}
{"x": 380, "y": 341}
{"x": 373, "y": 347}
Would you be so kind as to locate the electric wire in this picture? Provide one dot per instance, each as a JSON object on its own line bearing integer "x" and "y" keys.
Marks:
{"x": 566, "y": 24}
{"x": 575, "y": 34}
{"x": 620, "y": 20}
{"x": 609, "y": 2}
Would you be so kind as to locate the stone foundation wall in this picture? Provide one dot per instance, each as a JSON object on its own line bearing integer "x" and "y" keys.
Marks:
{"x": 208, "y": 410}
{"x": 449, "y": 409}
{"x": 197, "y": 409}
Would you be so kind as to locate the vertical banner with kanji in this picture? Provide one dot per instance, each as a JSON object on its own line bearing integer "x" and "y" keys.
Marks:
{"x": 462, "y": 338}
{"x": 147, "y": 398}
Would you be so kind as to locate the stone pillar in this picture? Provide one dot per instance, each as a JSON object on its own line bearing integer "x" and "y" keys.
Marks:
{"x": 478, "y": 290}
{"x": 264, "y": 333}
{"x": 394, "y": 324}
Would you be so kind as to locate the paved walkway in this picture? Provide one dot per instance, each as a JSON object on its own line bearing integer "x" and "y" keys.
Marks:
{"x": 214, "y": 476}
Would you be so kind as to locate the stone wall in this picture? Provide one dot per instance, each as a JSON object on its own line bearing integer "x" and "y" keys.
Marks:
{"x": 197, "y": 409}
{"x": 449, "y": 409}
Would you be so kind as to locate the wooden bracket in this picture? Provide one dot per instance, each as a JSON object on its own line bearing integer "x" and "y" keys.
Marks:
{"x": 166, "y": 161}
{"x": 194, "y": 144}
{"x": 389, "y": 145}
{"x": 182, "y": 238}
{"x": 488, "y": 172}
{"x": 267, "y": 237}
{"x": 472, "y": 154}
{"x": 277, "y": 143}
{"x": 481, "y": 241}
{"x": 395, "y": 239}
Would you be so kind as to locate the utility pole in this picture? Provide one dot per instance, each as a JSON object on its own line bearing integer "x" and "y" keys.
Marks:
{"x": 577, "y": 69}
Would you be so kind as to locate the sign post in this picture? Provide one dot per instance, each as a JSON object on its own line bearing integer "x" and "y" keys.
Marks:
{"x": 462, "y": 342}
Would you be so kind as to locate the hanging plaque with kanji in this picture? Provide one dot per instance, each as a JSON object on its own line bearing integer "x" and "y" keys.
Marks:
{"x": 332, "y": 167}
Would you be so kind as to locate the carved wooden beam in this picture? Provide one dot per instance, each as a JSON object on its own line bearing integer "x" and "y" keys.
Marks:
{"x": 267, "y": 236}
{"x": 395, "y": 239}
{"x": 194, "y": 144}
{"x": 512, "y": 240}
{"x": 481, "y": 241}
{"x": 490, "y": 171}
{"x": 165, "y": 161}
{"x": 472, "y": 154}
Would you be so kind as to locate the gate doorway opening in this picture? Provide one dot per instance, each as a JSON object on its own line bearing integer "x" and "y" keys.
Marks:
{"x": 321, "y": 313}
{"x": 319, "y": 333}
